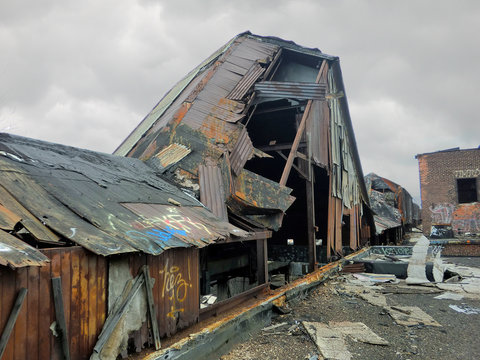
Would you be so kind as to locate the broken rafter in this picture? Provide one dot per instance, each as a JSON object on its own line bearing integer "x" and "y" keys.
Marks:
{"x": 278, "y": 147}
{"x": 298, "y": 136}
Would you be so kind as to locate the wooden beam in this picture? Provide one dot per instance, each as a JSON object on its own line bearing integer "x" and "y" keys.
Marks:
{"x": 151, "y": 307}
{"x": 262, "y": 266}
{"x": 312, "y": 248}
{"x": 114, "y": 317}
{"x": 11, "y": 320}
{"x": 60, "y": 316}
{"x": 299, "y": 134}
{"x": 293, "y": 165}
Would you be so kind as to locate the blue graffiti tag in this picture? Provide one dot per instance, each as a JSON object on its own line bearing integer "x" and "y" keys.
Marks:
{"x": 166, "y": 234}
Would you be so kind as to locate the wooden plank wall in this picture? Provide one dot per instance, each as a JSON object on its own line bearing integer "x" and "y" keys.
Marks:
{"x": 176, "y": 289}
{"x": 84, "y": 294}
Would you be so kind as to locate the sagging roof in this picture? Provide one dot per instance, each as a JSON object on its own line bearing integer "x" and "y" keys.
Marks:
{"x": 58, "y": 195}
{"x": 209, "y": 110}
{"x": 392, "y": 204}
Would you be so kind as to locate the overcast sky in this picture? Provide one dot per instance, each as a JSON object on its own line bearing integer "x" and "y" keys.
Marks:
{"x": 85, "y": 73}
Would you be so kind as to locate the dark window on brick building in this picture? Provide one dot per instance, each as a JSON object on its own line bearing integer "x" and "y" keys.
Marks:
{"x": 467, "y": 190}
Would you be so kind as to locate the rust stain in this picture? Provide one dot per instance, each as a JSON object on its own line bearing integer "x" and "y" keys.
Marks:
{"x": 178, "y": 117}
{"x": 214, "y": 130}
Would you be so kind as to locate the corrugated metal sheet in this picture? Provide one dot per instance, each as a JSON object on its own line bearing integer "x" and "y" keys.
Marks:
{"x": 291, "y": 90}
{"x": 79, "y": 194}
{"x": 16, "y": 253}
{"x": 242, "y": 151}
{"x": 212, "y": 190}
{"x": 172, "y": 154}
{"x": 245, "y": 84}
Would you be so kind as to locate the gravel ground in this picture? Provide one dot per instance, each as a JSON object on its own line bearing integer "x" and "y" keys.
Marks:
{"x": 457, "y": 338}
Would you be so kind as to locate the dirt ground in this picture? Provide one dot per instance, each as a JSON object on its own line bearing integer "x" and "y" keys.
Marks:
{"x": 456, "y": 338}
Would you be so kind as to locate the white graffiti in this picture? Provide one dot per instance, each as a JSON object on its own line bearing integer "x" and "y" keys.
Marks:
{"x": 442, "y": 213}
{"x": 469, "y": 173}
{"x": 74, "y": 231}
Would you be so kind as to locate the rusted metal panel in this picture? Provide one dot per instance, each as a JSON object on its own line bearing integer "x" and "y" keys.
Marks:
{"x": 176, "y": 289}
{"x": 212, "y": 191}
{"x": 256, "y": 195}
{"x": 32, "y": 337}
{"x": 241, "y": 152}
{"x": 17, "y": 253}
{"x": 172, "y": 154}
{"x": 290, "y": 90}
{"x": 246, "y": 83}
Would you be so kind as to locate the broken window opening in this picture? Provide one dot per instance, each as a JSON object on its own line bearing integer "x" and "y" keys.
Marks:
{"x": 227, "y": 270}
{"x": 467, "y": 190}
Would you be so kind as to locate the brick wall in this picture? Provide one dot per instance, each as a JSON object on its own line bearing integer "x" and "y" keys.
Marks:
{"x": 438, "y": 182}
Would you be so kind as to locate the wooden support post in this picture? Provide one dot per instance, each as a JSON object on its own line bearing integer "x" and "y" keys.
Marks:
{"x": 60, "y": 316}
{"x": 312, "y": 248}
{"x": 151, "y": 307}
{"x": 11, "y": 320}
{"x": 299, "y": 134}
{"x": 262, "y": 265}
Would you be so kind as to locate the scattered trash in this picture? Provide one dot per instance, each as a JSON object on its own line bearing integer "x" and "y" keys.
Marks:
{"x": 465, "y": 309}
{"x": 276, "y": 326}
{"x": 376, "y": 278}
{"x": 449, "y": 296}
{"x": 207, "y": 300}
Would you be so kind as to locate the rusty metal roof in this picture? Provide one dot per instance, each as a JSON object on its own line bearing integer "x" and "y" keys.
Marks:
{"x": 105, "y": 203}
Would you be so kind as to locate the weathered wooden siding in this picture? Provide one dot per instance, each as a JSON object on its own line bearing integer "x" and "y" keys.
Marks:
{"x": 176, "y": 289}
{"x": 84, "y": 296}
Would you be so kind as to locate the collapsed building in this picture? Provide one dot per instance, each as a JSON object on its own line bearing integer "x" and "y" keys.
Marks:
{"x": 449, "y": 183}
{"x": 246, "y": 167}
{"x": 395, "y": 213}
{"x": 80, "y": 232}
{"x": 260, "y": 132}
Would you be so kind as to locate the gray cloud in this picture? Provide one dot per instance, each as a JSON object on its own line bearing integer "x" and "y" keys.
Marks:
{"x": 85, "y": 73}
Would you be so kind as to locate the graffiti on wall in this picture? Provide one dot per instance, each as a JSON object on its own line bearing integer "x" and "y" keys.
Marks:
{"x": 469, "y": 173}
{"x": 464, "y": 218}
{"x": 442, "y": 213}
{"x": 175, "y": 287}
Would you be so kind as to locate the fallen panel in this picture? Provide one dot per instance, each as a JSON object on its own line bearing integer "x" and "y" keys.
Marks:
{"x": 242, "y": 152}
{"x": 212, "y": 190}
{"x": 416, "y": 270}
{"x": 359, "y": 332}
{"x": 16, "y": 253}
{"x": 329, "y": 342}
{"x": 171, "y": 154}
{"x": 247, "y": 81}
{"x": 411, "y": 316}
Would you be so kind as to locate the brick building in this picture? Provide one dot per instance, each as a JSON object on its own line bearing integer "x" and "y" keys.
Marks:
{"x": 450, "y": 190}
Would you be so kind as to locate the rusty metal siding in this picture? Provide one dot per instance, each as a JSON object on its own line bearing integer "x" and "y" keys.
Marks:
{"x": 241, "y": 152}
{"x": 84, "y": 293}
{"x": 244, "y": 85}
{"x": 176, "y": 291}
{"x": 291, "y": 90}
{"x": 212, "y": 190}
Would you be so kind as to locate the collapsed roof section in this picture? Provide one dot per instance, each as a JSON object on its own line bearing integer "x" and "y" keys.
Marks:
{"x": 52, "y": 194}
{"x": 392, "y": 204}
{"x": 256, "y": 101}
